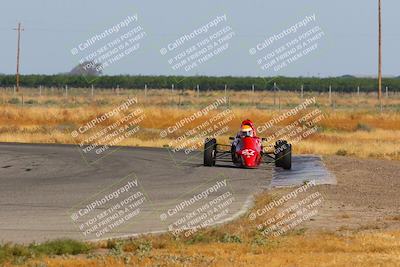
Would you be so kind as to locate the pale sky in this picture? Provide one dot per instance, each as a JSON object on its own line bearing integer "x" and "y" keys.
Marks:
{"x": 54, "y": 27}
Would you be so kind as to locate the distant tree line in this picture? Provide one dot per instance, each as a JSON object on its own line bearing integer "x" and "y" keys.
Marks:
{"x": 341, "y": 84}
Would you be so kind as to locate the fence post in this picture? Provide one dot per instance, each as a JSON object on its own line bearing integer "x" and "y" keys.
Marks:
{"x": 66, "y": 91}
{"x": 387, "y": 92}
{"x": 145, "y": 90}
{"x": 181, "y": 97}
{"x": 40, "y": 90}
{"x": 302, "y": 90}
{"x": 253, "y": 91}
{"x": 226, "y": 95}
{"x": 274, "y": 94}
{"x": 225, "y": 90}
{"x": 92, "y": 90}
{"x": 279, "y": 100}
{"x": 14, "y": 91}
{"x": 330, "y": 94}
{"x": 198, "y": 91}
{"x": 172, "y": 88}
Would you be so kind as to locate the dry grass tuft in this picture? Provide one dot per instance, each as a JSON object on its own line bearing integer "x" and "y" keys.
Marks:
{"x": 354, "y": 128}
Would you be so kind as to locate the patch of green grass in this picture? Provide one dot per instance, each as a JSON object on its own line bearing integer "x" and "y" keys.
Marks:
{"x": 61, "y": 247}
{"x": 20, "y": 253}
{"x": 363, "y": 127}
{"x": 12, "y": 252}
{"x": 231, "y": 239}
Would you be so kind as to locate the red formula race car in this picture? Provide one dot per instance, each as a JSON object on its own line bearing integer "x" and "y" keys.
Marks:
{"x": 247, "y": 151}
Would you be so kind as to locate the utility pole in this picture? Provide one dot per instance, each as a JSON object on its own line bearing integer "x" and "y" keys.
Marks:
{"x": 380, "y": 52}
{"x": 19, "y": 29}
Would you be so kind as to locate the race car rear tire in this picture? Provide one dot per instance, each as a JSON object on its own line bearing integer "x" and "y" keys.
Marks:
{"x": 283, "y": 154}
{"x": 286, "y": 160}
{"x": 210, "y": 149}
{"x": 278, "y": 153}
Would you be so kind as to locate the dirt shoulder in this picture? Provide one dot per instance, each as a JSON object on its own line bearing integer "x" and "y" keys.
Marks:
{"x": 366, "y": 197}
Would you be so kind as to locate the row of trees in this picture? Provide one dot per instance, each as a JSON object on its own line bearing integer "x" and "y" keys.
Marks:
{"x": 343, "y": 84}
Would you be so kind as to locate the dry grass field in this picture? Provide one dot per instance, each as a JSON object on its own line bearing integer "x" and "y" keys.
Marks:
{"x": 363, "y": 249}
{"x": 352, "y": 124}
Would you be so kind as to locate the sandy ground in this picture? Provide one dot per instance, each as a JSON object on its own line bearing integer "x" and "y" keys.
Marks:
{"x": 366, "y": 197}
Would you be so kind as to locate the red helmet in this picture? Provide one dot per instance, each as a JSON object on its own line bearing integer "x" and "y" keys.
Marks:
{"x": 249, "y": 123}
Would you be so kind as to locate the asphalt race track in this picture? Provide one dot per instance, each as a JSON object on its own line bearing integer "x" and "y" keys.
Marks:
{"x": 45, "y": 190}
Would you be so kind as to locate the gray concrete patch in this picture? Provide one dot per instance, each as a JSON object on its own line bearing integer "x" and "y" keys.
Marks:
{"x": 304, "y": 168}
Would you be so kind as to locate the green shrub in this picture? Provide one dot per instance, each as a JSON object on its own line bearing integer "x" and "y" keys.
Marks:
{"x": 231, "y": 239}
{"x": 14, "y": 252}
{"x": 61, "y": 247}
{"x": 116, "y": 248}
{"x": 50, "y": 102}
{"x": 102, "y": 102}
{"x": 144, "y": 248}
{"x": 259, "y": 240}
{"x": 31, "y": 102}
{"x": 341, "y": 152}
{"x": 363, "y": 127}
{"x": 199, "y": 238}
{"x": 14, "y": 101}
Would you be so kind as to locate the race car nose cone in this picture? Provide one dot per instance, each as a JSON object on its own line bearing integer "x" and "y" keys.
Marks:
{"x": 249, "y": 159}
